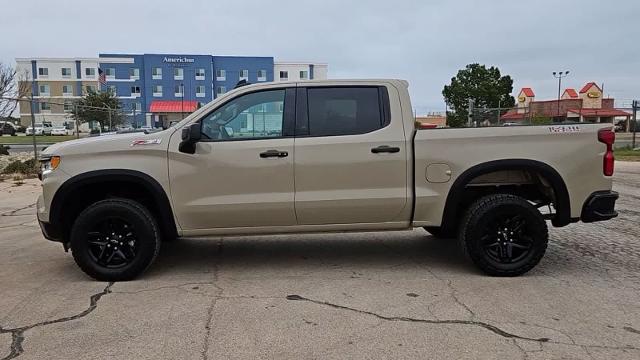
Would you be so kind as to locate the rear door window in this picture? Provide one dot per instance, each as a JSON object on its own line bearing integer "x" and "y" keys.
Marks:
{"x": 344, "y": 110}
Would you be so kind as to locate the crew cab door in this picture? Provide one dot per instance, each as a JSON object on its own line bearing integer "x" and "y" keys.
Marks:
{"x": 351, "y": 156}
{"x": 241, "y": 173}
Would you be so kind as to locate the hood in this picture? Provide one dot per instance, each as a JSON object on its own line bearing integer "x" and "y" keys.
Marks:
{"x": 108, "y": 143}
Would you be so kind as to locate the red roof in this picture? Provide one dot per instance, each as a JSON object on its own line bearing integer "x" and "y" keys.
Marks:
{"x": 588, "y": 86}
{"x": 513, "y": 115}
{"x": 528, "y": 92}
{"x": 600, "y": 112}
{"x": 571, "y": 92}
{"x": 173, "y": 106}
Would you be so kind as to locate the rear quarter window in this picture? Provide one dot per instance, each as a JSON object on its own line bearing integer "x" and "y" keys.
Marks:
{"x": 345, "y": 110}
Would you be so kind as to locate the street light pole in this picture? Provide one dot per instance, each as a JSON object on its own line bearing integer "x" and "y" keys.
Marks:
{"x": 559, "y": 76}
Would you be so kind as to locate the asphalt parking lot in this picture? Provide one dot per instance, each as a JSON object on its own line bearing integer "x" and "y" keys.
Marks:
{"x": 371, "y": 295}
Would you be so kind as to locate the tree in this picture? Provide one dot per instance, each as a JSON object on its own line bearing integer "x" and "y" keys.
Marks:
{"x": 102, "y": 107}
{"x": 13, "y": 86}
{"x": 485, "y": 86}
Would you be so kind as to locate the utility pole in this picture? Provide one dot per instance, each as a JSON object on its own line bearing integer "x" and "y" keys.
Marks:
{"x": 33, "y": 128}
{"x": 634, "y": 106}
{"x": 559, "y": 76}
{"x": 470, "y": 116}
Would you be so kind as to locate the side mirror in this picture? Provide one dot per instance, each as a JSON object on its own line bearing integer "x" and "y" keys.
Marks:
{"x": 190, "y": 136}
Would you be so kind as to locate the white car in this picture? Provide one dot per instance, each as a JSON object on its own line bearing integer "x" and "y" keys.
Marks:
{"x": 59, "y": 130}
{"x": 30, "y": 130}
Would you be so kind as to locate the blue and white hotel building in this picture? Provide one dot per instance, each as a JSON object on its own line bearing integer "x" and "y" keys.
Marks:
{"x": 155, "y": 89}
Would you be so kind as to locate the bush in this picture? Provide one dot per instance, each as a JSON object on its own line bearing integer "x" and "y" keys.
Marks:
{"x": 4, "y": 150}
{"x": 29, "y": 167}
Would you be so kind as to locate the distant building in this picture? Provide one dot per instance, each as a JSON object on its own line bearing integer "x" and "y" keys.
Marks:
{"x": 435, "y": 119}
{"x": 153, "y": 89}
{"x": 587, "y": 105}
{"x": 295, "y": 71}
{"x": 55, "y": 84}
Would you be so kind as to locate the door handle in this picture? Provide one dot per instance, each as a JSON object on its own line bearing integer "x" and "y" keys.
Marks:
{"x": 385, "y": 149}
{"x": 273, "y": 153}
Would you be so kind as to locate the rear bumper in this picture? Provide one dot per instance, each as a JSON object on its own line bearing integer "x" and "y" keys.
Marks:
{"x": 599, "y": 206}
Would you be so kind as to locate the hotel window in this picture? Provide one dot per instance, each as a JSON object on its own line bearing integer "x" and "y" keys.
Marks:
{"x": 66, "y": 72}
{"x": 221, "y": 75}
{"x": 134, "y": 73}
{"x": 90, "y": 72}
{"x": 244, "y": 75}
{"x": 112, "y": 89}
{"x": 156, "y": 73}
{"x": 90, "y": 89}
{"x": 45, "y": 106}
{"x": 177, "y": 91}
{"x": 304, "y": 75}
{"x": 135, "y": 91}
{"x": 178, "y": 73}
{"x": 67, "y": 90}
{"x": 43, "y": 71}
{"x": 68, "y": 106}
{"x": 262, "y": 75}
{"x": 110, "y": 73}
{"x": 44, "y": 90}
{"x": 137, "y": 106}
{"x": 284, "y": 75}
{"x": 221, "y": 90}
{"x": 199, "y": 74}
{"x": 157, "y": 90}
{"x": 200, "y": 91}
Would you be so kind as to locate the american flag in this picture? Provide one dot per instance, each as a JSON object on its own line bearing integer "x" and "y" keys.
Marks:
{"x": 102, "y": 77}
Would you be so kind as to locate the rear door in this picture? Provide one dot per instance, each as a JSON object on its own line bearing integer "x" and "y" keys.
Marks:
{"x": 350, "y": 156}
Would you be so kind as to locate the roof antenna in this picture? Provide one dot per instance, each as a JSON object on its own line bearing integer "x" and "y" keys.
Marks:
{"x": 242, "y": 83}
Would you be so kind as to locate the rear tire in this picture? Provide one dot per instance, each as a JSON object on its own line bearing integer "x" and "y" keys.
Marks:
{"x": 504, "y": 235}
{"x": 115, "y": 240}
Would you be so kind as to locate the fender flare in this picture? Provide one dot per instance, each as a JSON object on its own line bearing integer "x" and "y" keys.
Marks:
{"x": 563, "y": 206}
{"x": 160, "y": 199}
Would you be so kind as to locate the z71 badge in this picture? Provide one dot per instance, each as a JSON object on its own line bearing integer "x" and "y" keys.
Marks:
{"x": 561, "y": 129}
{"x": 146, "y": 142}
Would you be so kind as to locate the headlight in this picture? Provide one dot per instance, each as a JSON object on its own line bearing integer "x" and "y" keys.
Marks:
{"x": 48, "y": 164}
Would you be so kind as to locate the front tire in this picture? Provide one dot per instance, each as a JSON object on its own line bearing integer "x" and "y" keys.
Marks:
{"x": 504, "y": 235}
{"x": 115, "y": 240}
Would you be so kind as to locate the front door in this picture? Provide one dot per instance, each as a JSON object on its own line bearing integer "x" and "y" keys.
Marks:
{"x": 351, "y": 157}
{"x": 241, "y": 174}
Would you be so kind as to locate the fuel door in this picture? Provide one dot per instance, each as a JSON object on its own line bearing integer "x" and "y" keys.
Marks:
{"x": 438, "y": 173}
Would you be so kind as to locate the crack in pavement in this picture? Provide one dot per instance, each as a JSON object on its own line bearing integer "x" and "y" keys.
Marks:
{"x": 205, "y": 346}
{"x": 13, "y": 212}
{"x": 492, "y": 328}
{"x": 17, "y": 334}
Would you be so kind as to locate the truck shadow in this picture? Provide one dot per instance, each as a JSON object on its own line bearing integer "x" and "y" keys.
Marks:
{"x": 311, "y": 252}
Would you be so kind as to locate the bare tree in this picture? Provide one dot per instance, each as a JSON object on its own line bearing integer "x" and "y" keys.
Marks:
{"x": 13, "y": 87}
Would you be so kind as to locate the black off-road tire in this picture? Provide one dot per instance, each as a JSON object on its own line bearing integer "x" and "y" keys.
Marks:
{"x": 478, "y": 235}
{"x": 144, "y": 227}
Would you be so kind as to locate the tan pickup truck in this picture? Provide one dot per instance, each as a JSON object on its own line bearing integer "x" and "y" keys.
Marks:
{"x": 323, "y": 156}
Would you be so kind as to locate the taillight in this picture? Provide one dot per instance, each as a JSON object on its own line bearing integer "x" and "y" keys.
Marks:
{"x": 607, "y": 137}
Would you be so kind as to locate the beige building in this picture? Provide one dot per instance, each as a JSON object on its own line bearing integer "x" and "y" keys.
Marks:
{"x": 55, "y": 83}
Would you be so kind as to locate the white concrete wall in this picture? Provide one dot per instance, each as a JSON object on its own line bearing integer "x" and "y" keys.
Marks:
{"x": 294, "y": 68}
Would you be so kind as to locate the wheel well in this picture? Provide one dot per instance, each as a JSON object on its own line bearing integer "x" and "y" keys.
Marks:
{"x": 78, "y": 193}
{"x": 537, "y": 182}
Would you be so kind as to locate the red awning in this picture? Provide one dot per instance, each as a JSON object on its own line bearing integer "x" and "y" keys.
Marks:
{"x": 600, "y": 112}
{"x": 173, "y": 106}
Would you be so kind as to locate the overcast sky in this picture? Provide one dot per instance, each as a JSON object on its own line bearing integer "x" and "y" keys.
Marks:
{"x": 424, "y": 42}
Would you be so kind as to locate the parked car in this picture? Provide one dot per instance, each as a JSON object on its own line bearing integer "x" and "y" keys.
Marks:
{"x": 7, "y": 128}
{"x": 46, "y": 129}
{"x": 341, "y": 156}
{"x": 59, "y": 130}
{"x": 38, "y": 130}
